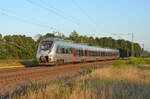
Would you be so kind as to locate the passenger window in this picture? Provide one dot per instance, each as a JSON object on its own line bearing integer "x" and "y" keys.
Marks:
{"x": 63, "y": 50}
{"x": 58, "y": 50}
{"x": 67, "y": 52}
{"x": 82, "y": 52}
{"x": 77, "y": 52}
{"x": 70, "y": 50}
{"x": 85, "y": 52}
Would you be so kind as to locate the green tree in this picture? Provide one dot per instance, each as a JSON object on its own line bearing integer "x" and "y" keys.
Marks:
{"x": 74, "y": 36}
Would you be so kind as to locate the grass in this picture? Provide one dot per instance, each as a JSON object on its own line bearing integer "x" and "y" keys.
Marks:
{"x": 17, "y": 63}
{"x": 136, "y": 61}
{"x": 132, "y": 61}
{"x": 118, "y": 64}
{"x": 89, "y": 70}
{"x": 126, "y": 82}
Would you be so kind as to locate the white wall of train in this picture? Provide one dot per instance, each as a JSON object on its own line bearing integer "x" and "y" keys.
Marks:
{"x": 52, "y": 50}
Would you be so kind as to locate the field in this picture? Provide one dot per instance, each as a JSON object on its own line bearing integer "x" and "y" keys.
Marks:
{"x": 123, "y": 80}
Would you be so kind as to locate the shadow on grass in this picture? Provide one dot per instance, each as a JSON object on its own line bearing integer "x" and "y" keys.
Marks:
{"x": 141, "y": 67}
{"x": 34, "y": 64}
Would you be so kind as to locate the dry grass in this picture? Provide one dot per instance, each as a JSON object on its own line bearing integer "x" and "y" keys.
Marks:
{"x": 128, "y": 82}
{"x": 19, "y": 63}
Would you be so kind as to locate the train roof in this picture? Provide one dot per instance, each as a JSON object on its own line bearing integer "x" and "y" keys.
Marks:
{"x": 62, "y": 41}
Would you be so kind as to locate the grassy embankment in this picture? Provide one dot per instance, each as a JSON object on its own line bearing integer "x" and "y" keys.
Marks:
{"x": 123, "y": 80}
{"x": 17, "y": 63}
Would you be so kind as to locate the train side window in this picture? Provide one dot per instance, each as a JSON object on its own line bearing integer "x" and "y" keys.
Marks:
{"x": 58, "y": 50}
{"x": 82, "y": 52}
{"x": 99, "y": 53}
{"x": 89, "y": 53}
{"x": 92, "y": 53}
{"x": 63, "y": 50}
{"x": 85, "y": 52}
{"x": 95, "y": 53}
{"x": 103, "y": 54}
{"x": 77, "y": 52}
{"x": 67, "y": 51}
{"x": 70, "y": 50}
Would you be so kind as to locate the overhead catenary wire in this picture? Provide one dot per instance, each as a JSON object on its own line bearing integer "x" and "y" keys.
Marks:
{"x": 92, "y": 21}
{"x": 19, "y": 18}
{"x": 50, "y": 11}
{"x": 85, "y": 13}
{"x": 59, "y": 10}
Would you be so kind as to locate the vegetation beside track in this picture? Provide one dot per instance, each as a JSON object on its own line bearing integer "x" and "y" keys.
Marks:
{"x": 132, "y": 61}
{"x": 17, "y": 63}
{"x": 130, "y": 81}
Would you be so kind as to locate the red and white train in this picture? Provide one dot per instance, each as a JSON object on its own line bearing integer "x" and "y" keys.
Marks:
{"x": 53, "y": 50}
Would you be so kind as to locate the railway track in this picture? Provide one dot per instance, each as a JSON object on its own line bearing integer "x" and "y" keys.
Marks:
{"x": 10, "y": 75}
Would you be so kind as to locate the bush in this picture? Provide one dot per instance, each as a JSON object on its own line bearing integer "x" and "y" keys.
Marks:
{"x": 138, "y": 61}
{"x": 118, "y": 64}
{"x": 89, "y": 70}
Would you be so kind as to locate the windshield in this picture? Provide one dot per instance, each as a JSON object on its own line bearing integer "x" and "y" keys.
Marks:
{"x": 46, "y": 45}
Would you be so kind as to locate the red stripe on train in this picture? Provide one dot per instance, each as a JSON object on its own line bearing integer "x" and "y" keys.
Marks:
{"x": 100, "y": 56}
{"x": 74, "y": 54}
{"x": 87, "y": 58}
{"x": 112, "y": 55}
{"x": 105, "y": 56}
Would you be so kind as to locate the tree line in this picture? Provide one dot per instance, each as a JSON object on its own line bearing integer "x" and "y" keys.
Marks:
{"x": 23, "y": 47}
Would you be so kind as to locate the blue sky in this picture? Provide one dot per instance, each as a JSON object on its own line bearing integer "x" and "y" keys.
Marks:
{"x": 88, "y": 17}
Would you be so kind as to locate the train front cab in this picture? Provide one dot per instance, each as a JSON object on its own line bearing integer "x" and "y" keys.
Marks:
{"x": 45, "y": 51}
